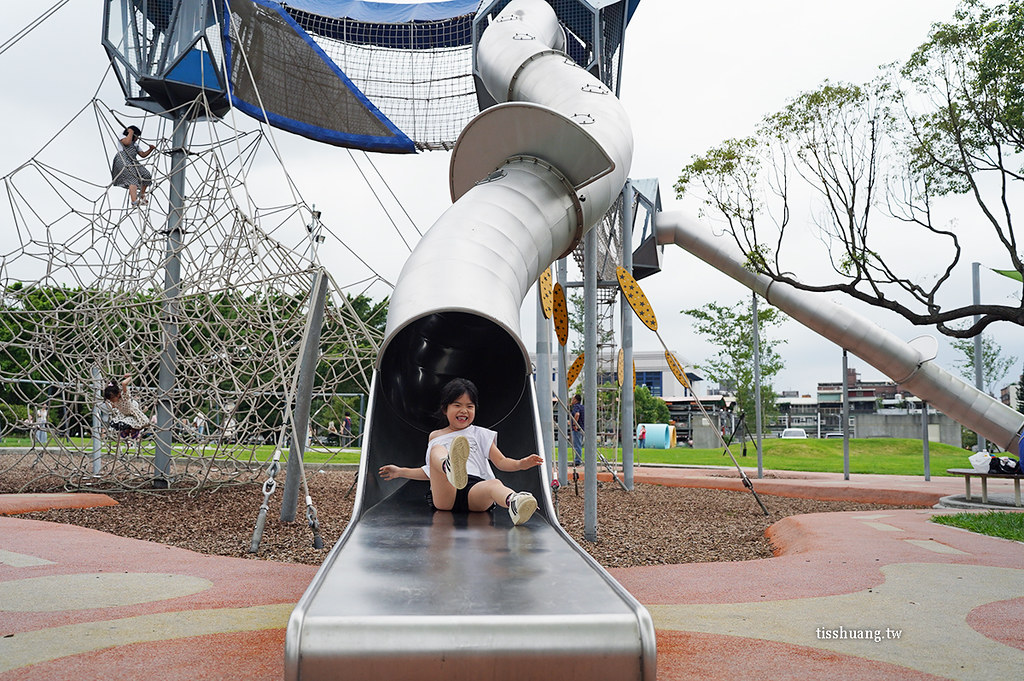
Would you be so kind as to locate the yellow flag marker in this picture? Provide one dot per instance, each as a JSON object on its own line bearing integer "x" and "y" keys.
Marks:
{"x": 636, "y": 298}
{"x": 677, "y": 370}
{"x": 561, "y": 314}
{"x": 544, "y": 287}
{"x": 574, "y": 371}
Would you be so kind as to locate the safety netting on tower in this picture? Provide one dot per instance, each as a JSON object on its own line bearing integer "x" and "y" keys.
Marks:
{"x": 85, "y": 304}
{"x": 377, "y": 76}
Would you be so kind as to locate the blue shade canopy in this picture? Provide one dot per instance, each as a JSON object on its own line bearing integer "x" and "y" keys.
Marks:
{"x": 374, "y": 75}
{"x": 281, "y": 75}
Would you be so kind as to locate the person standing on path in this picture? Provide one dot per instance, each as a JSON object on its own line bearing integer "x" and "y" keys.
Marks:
{"x": 576, "y": 420}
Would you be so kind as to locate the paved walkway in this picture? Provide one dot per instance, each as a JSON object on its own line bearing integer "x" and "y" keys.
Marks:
{"x": 876, "y": 595}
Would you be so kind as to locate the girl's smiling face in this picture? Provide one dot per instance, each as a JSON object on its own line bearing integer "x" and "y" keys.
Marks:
{"x": 461, "y": 412}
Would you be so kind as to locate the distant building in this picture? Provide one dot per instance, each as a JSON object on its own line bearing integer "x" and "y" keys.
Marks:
{"x": 652, "y": 371}
{"x": 865, "y": 397}
{"x": 1008, "y": 395}
{"x": 876, "y": 408}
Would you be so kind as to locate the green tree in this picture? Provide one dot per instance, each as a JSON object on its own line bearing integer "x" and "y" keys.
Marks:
{"x": 342, "y": 344}
{"x": 577, "y": 321}
{"x": 994, "y": 366}
{"x": 877, "y": 158}
{"x": 731, "y": 330}
{"x": 648, "y": 408}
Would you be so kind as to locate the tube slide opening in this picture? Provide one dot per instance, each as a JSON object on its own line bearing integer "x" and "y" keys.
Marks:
{"x": 430, "y": 351}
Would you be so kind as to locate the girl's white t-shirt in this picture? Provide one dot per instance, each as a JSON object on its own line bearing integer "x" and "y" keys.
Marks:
{"x": 480, "y": 441}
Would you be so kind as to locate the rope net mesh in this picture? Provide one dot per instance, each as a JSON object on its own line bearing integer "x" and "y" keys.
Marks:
{"x": 374, "y": 85}
{"x": 418, "y": 74}
{"x": 83, "y": 302}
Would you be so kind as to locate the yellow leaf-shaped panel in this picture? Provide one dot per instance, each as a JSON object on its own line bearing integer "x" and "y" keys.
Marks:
{"x": 544, "y": 287}
{"x": 677, "y": 370}
{"x": 574, "y": 372}
{"x": 561, "y": 314}
{"x": 636, "y": 298}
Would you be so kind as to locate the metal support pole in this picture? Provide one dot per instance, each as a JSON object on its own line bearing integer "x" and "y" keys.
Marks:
{"x": 97, "y": 421}
{"x": 757, "y": 387}
{"x": 362, "y": 420}
{"x": 303, "y": 395}
{"x": 169, "y": 318}
{"x": 543, "y": 374}
{"x": 564, "y": 432}
{"x": 846, "y": 418}
{"x": 590, "y": 386}
{"x": 627, "y": 340}
{"x": 979, "y": 375}
{"x": 924, "y": 440}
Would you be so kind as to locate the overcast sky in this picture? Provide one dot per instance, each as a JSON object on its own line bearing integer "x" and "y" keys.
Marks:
{"x": 694, "y": 75}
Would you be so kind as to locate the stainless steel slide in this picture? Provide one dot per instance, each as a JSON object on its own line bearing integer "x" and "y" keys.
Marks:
{"x": 903, "y": 362}
{"x": 412, "y": 594}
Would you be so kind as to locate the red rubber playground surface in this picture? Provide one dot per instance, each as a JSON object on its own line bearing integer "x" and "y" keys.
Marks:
{"x": 856, "y": 595}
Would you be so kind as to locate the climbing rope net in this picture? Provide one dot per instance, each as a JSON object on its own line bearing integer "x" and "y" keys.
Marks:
{"x": 84, "y": 301}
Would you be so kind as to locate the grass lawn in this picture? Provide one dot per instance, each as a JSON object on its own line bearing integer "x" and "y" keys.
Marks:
{"x": 1005, "y": 524}
{"x": 888, "y": 456}
{"x": 228, "y": 451}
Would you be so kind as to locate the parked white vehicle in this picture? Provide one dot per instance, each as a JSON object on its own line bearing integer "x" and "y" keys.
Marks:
{"x": 793, "y": 434}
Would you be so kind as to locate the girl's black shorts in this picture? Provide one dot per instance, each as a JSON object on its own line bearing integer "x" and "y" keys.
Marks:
{"x": 461, "y": 496}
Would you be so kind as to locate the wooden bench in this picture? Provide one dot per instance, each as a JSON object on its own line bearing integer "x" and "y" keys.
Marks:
{"x": 969, "y": 473}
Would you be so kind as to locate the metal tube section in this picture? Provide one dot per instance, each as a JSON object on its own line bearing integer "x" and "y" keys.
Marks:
{"x": 543, "y": 381}
{"x": 486, "y": 251}
{"x": 886, "y": 352}
{"x": 846, "y": 417}
{"x": 627, "y": 340}
{"x": 412, "y": 578}
{"x": 304, "y": 395}
{"x": 979, "y": 364}
{"x": 924, "y": 440}
{"x": 97, "y": 422}
{"x": 757, "y": 384}
{"x": 565, "y": 432}
{"x": 169, "y": 322}
{"x": 590, "y": 387}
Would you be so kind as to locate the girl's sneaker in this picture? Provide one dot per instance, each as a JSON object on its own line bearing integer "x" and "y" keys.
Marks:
{"x": 454, "y": 466}
{"x": 521, "y": 506}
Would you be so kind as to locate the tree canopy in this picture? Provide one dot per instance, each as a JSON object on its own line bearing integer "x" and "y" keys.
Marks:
{"x": 648, "y": 408}
{"x": 731, "y": 329}
{"x": 994, "y": 365}
{"x": 878, "y": 159}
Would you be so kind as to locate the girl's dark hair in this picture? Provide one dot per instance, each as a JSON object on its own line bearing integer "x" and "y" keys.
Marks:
{"x": 112, "y": 390}
{"x": 138, "y": 132}
{"x": 453, "y": 390}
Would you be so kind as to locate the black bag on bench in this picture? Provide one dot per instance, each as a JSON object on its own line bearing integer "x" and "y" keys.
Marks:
{"x": 1004, "y": 465}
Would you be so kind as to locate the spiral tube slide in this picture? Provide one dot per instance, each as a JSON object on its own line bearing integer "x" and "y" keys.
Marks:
{"x": 528, "y": 178}
{"x": 897, "y": 359}
{"x": 410, "y": 594}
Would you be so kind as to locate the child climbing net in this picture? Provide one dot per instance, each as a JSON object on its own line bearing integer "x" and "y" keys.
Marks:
{"x": 83, "y": 300}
